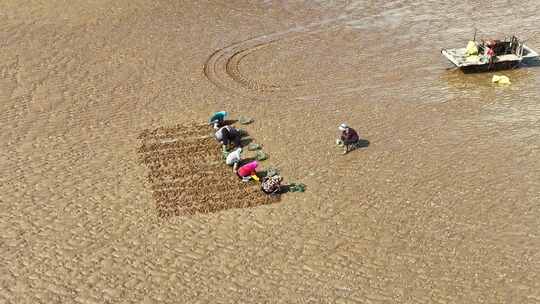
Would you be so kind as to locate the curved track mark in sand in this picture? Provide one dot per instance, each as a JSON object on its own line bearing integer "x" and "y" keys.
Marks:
{"x": 222, "y": 67}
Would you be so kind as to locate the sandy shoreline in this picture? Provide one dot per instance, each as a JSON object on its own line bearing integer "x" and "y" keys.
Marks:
{"x": 440, "y": 208}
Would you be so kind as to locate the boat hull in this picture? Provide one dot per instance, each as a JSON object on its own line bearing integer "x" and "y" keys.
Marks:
{"x": 496, "y": 66}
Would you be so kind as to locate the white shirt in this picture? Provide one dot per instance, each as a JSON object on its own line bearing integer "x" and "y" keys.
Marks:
{"x": 219, "y": 133}
{"x": 233, "y": 157}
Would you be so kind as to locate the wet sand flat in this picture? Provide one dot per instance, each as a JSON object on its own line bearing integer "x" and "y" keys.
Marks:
{"x": 441, "y": 207}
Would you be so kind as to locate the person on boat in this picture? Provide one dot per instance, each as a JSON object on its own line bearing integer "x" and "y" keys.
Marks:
{"x": 233, "y": 159}
{"x": 349, "y": 137}
{"x": 272, "y": 184}
{"x": 228, "y": 135}
{"x": 248, "y": 171}
{"x": 489, "y": 52}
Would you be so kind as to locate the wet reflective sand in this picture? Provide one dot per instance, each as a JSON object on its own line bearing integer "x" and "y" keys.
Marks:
{"x": 441, "y": 207}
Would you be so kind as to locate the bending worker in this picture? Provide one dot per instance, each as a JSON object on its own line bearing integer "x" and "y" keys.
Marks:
{"x": 233, "y": 159}
{"x": 349, "y": 137}
{"x": 228, "y": 135}
{"x": 272, "y": 184}
{"x": 248, "y": 171}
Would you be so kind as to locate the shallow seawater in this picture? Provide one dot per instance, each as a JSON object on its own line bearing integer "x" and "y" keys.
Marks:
{"x": 440, "y": 205}
{"x": 405, "y": 38}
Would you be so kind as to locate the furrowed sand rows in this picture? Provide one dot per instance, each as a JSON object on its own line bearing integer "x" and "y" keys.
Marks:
{"x": 187, "y": 175}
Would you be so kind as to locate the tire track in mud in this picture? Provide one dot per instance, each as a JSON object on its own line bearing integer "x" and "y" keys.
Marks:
{"x": 222, "y": 68}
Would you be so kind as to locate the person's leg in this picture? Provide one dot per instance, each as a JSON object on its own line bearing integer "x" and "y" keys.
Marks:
{"x": 345, "y": 148}
{"x": 243, "y": 178}
{"x": 266, "y": 192}
{"x": 237, "y": 140}
{"x": 226, "y": 142}
{"x": 277, "y": 190}
{"x": 350, "y": 145}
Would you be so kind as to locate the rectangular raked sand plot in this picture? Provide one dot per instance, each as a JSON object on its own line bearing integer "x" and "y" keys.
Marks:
{"x": 187, "y": 175}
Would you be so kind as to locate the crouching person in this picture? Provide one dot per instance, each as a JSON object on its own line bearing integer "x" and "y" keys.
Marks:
{"x": 272, "y": 184}
{"x": 227, "y": 136}
{"x": 217, "y": 119}
{"x": 248, "y": 171}
{"x": 233, "y": 159}
{"x": 349, "y": 138}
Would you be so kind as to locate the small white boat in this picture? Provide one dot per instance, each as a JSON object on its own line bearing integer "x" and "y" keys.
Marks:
{"x": 507, "y": 54}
